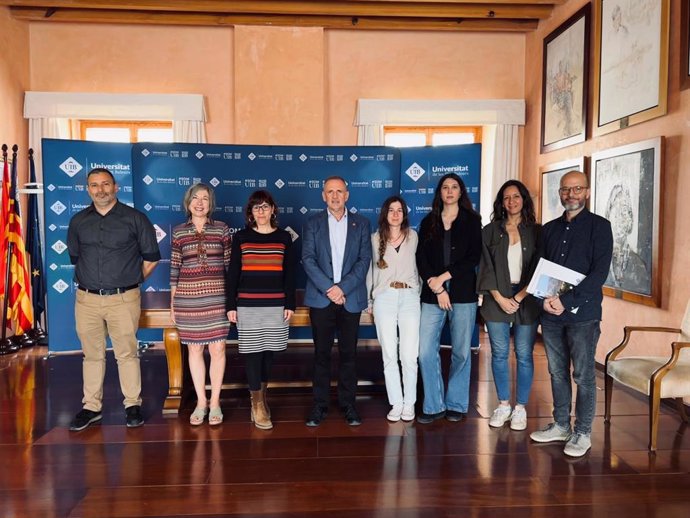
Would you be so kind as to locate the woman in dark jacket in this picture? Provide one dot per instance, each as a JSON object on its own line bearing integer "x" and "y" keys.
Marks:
{"x": 450, "y": 243}
{"x": 509, "y": 257}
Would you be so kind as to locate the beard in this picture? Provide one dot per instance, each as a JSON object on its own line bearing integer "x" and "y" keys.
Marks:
{"x": 572, "y": 205}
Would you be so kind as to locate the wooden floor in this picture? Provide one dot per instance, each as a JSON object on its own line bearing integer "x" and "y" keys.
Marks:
{"x": 168, "y": 468}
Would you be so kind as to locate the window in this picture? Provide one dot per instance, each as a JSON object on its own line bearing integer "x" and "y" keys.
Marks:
{"x": 411, "y": 136}
{"x": 126, "y": 131}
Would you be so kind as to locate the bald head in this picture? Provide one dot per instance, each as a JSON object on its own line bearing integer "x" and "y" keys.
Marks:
{"x": 574, "y": 192}
{"x": 576, "y": 176}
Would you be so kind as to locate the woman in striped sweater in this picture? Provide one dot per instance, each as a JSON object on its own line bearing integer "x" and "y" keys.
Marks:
{"x": 260, "y": 298}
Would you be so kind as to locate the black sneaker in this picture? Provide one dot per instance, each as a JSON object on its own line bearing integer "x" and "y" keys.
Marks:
{"x": 318, "y": 414}
{"x": 83, "y": 419}
{"x": 351, "y": 416}
{"x": 429, "y": 418}
{"x": 454, "y": 416}
{"x": 134, "y": 417}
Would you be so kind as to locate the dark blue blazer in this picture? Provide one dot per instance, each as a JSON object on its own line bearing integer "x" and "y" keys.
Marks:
{"x": 318, "y": 264}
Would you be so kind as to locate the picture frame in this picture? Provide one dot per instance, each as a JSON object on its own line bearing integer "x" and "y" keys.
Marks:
{"x": 565, "y": 82}
{"x": 630, "y": 62}
{"x": 549, "y": 200}
{"x": 684, "y": 44}
{"x": 626, "y": 185}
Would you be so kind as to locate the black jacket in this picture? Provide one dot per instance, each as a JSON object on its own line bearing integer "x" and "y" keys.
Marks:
{"x": 466, "y": 247}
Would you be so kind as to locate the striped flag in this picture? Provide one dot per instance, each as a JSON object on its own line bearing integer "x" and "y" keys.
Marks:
{"x": 20, "y": 310}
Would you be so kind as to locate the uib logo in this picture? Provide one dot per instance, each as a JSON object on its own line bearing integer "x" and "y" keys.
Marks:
{"x": 415, "y": 171}
{"x": 71, "y": 167}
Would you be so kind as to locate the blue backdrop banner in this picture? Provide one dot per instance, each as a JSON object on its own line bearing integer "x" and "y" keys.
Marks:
{"x": 154, "y": 177}
{"x": 65, "y": 164}
{"x": 422, "y": 167}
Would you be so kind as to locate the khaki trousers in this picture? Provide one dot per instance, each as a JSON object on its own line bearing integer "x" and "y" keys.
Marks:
{"x": 116, "y": 316}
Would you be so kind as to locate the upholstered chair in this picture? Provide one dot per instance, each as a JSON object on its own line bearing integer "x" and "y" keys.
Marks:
{"x": 656, "y": 376}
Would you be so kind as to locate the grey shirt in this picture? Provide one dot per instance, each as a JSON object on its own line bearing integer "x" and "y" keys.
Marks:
{"x": 108, "y": 251}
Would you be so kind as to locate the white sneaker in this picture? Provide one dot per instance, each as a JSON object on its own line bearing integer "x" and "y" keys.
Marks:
{"x": 407, "y": 413}
{"x": 500, "y": 416}
{"x": 395, "y": 413}
{"x": 518, "y": 419}
{"x": 578, "y": 445}
{"x": 552, "y": 433}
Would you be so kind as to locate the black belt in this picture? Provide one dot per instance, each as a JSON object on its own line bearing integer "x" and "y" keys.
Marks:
{"x": 111, "y": 291}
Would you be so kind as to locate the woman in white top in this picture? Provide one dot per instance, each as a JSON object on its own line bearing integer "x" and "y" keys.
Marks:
{"x": 509, "y": 256}
{"x": 394, "y": 289}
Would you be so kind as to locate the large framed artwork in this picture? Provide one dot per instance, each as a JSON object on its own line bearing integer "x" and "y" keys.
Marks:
{"x": 565, "y": 81}
{"x": 684, "y": 44}
{"x": 631, "y": 62}
{"x": 625, "y": 189}
{"x": 550, "y": 202}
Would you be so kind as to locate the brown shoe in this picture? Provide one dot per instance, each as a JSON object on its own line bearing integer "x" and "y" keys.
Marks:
{"x": 264, "y": 388}
{"x": 259, "y": 415}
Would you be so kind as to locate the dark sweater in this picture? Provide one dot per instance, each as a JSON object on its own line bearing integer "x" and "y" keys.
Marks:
{"x": 262, "y": 270}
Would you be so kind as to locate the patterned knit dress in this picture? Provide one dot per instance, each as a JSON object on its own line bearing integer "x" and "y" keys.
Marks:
{"x": 260, "y": 284}
{"x": 198, "y": 263}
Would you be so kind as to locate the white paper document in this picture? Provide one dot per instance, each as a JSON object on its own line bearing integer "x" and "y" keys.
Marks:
{"x": 551, "y": 279}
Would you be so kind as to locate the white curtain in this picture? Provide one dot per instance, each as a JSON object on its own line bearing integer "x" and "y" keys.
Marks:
{"x": 51, "y": 114}
{"x": 189, "y": 131}
{"x": 506, "y": 155}
{"x": 500, "y": 120}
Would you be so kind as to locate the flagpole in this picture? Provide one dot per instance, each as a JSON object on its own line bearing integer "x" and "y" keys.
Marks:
{"x": 7, "y": 345}
{"x": 33, "y": 189}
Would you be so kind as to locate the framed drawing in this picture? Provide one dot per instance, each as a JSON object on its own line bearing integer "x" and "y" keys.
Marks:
{"x": 565, "y": 81}
{"x": 684, "y": 44}
{"x": 630, "y": 62}
{"x": 625, "y": 189}
{"x": 550, "y": 202}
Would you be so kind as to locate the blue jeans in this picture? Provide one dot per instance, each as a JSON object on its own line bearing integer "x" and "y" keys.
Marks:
{"x": 462, "y": 320}
{"x": 576, "y": 343}
{"x": 499, "y": 336}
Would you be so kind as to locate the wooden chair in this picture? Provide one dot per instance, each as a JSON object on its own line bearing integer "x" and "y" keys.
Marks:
{"x": 656, "y": 376}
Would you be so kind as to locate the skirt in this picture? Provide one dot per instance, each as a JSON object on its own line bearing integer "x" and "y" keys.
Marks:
{"x": 261, "y": 329}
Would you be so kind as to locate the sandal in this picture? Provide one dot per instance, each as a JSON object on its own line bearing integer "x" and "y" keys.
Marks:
{"x": 215, "y": 417}
{"x": 198, "y": 415}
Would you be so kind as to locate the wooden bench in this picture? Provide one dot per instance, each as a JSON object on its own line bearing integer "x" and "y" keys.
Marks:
{"x": 155, "y": 314}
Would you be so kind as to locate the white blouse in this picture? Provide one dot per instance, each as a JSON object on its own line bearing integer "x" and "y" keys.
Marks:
{"x": 515, "y": 262}
{"x": 402, "y": 265}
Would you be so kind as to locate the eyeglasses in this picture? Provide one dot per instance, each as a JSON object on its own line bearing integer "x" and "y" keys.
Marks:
{"x": 578, "y": 189}
{"x": 261, "y": 208}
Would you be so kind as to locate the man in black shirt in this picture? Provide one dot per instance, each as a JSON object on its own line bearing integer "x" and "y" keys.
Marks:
{"x": 583, "y": 242}
{"x": 113, "y": 248}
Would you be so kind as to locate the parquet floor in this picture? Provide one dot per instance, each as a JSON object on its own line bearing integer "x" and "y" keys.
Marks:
{"x": 167, "y": 468}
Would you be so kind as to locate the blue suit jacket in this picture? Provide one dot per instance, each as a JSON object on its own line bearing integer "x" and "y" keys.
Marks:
{"x": 318, "y": 265}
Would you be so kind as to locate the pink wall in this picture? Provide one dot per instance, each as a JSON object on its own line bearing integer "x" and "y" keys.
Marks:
{"x": 676, "y": 210}
{"x": 14, "y": 80}
{"x": 138, "y": 59}
{"x": 417, "y": 65}
{"x": 273, "y": 85}
{"x": 279, "y": 85}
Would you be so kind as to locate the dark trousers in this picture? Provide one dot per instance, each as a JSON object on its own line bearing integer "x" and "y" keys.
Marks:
{"x": 258, "y": 367}
{"x": 326, "y": 323}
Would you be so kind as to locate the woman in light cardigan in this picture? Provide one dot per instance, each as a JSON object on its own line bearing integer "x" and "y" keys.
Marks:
{"x": 394, "y": 289}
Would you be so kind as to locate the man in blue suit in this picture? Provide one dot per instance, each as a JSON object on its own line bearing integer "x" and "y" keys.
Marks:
{"x": 336, "y": 254}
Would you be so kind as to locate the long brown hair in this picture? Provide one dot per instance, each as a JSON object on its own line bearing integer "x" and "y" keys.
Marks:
{"x": 385, "y": 228}
{"x": 436, "y": 227}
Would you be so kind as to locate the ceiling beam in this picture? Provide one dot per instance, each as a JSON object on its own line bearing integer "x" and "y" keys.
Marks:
{"x": 495, "y": 9}
{"x": 331, "y": 22}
